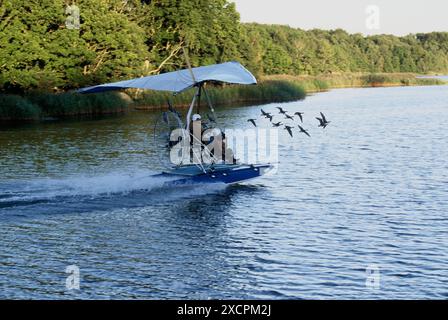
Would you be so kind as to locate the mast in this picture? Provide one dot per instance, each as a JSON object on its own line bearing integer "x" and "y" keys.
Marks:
{"x": 197, "y": 96}
{"x": 198, "y": 108}
{"x": 187, "y": 60}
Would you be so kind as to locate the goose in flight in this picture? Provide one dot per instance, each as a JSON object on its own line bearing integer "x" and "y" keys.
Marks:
{"x": 252, "y": 121}
{"x": 300, "y": 115}
{"x": 323, "y": 122}
{"x": 289, "y": 129}
{"x": 281, "y": 110}
{"x": 304, "y": 131}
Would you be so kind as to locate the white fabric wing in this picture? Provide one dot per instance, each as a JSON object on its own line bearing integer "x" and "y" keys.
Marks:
{"x": 177, "y": 81}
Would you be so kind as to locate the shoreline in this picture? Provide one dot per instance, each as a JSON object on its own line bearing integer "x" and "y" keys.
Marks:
{"x": 38, "y": 107}
{"x": 323, "y": 83}
{"x": 387, "y": 85}
{"x": 358, "y": 80}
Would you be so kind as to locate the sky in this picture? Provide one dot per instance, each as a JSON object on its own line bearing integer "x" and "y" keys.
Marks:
{"x": 399, "y": 17}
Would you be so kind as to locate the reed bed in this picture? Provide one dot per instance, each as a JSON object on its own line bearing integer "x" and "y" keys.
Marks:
{"x": 279, "y": 88}
{"x": 265, "y": 92}
{"x": 353, "y": 80}
{"x": 36, "y": 106}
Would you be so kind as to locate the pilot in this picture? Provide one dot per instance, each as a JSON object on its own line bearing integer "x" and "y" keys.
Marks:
{"x": 197, "y": 130}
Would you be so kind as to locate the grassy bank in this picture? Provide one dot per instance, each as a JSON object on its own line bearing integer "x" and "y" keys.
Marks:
{"x": 283, "y": 88}
{"x": 265, "y": 92}
{"x": 355, "y": 80}
{"x": 279, "y": 88}
{"x": 39, "y": 106}
{"x": 32, "y": 107}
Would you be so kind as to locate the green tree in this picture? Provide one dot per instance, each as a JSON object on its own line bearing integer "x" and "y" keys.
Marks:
{"x": 37, "y": 51}
{"x": 122, "y": 39}
{"x": 210, "y": 29}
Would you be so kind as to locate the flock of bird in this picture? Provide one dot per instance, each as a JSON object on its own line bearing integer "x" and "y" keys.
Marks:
{"x": 323, "y": 122}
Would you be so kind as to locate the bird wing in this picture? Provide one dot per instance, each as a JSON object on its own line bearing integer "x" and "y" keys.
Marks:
{"x": 323, "y": 117}
{"x": 304, "y": 131}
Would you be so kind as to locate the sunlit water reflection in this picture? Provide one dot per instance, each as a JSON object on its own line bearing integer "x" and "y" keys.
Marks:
{"x": 371, "y": 189}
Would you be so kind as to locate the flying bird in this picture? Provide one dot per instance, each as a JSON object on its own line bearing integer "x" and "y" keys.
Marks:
{"x": 266, "y": 114}
{"x": 289, "y": 130}
{"x": 253, "y": 121}
{"x": 281, "y": 110}
{"x": 300, "y": 115}
{"x": 287, "y": 116}
{"x": 278, "y": 124}
{"x": 269, "y": 117}
{"x": 323, "y": 122}
{"x": 304, "y": 131}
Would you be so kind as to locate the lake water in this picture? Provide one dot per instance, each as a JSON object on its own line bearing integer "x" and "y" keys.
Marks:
{"x": 368, "y": 192}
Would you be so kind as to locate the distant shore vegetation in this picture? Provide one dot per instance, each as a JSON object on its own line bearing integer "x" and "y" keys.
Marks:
{"x": 274, "y": 88}
{"x": 42, "y": 60}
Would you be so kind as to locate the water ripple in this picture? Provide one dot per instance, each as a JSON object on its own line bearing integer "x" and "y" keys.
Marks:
{"x": 369, "y": 191}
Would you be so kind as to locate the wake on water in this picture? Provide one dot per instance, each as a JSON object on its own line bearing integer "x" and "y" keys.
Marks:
{"x": 83, "y": 187}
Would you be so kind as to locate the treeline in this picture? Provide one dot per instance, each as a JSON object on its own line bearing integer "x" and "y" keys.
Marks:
{"x": 120, "y": 39}
{"x": 284, "y": 50}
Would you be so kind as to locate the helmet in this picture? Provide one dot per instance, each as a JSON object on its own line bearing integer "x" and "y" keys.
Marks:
{"x": 196, "y": 117}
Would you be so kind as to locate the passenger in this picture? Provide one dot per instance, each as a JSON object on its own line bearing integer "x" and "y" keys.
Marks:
{"x": 197, "y": 131}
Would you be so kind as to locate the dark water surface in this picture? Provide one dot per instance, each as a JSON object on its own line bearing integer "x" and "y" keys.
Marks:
{"x": 371, "y": 191}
